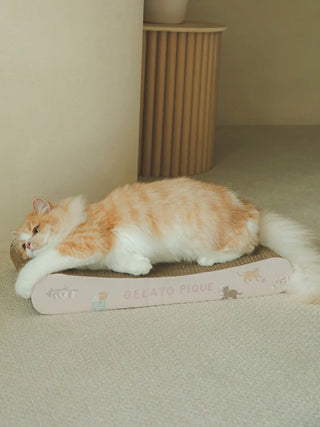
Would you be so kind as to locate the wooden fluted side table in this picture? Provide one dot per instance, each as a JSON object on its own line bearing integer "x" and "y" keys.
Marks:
{"x": 178, "y": 98}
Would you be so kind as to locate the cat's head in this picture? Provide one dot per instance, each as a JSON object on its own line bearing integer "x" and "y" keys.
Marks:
{"x": 47, "y": 224}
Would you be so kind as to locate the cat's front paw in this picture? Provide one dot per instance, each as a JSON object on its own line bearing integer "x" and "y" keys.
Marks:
{"x": 206, "y": 261}
{"x": 139, "y": 266}
{"x": 134, "y": 264}
{"x": 23, "y": 288}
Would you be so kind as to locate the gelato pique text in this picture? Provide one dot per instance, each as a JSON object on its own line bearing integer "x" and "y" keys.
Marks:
{"x": 167, "y": 291}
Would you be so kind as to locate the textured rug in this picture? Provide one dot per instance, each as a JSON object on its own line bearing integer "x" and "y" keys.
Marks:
{"x": 227, "y": 363}
{"x": 247, "y": 362}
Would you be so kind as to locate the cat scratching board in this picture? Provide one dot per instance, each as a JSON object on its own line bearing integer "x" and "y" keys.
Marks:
{"x": 259, "y": 274}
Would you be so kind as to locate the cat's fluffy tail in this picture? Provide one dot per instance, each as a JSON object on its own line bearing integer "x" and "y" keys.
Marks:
{"x": 295, "y": 243}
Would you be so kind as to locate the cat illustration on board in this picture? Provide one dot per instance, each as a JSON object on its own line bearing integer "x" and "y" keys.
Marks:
{"x": 230, "y": 293}
{"x": 250, "y": 275}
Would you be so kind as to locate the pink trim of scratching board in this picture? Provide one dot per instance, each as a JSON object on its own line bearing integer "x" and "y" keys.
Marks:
{"x": 62, "y": 293}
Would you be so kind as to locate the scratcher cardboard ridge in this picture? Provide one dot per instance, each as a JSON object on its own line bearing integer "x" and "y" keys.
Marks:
{"x": 259, "y": 274}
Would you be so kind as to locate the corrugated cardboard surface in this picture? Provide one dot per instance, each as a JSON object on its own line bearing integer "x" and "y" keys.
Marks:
{"x": 161, "y": 270}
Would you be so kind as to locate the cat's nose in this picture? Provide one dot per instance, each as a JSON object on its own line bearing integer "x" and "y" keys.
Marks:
{"x": 28, "y": 245}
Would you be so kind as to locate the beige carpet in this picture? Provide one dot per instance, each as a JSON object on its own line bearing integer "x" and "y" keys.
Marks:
{"x": 250, "y": 362}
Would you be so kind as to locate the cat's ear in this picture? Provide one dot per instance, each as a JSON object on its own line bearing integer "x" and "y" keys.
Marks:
{"x": 41, "y": 206}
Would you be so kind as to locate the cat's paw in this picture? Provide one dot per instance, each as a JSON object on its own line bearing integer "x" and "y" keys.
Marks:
{"x": 206, "y": 261}
{"x": 23, "y": 288}
{"x": 139, "y": 266}
{"x": 136, "y": 265}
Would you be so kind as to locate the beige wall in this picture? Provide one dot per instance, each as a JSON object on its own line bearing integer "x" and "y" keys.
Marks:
{"x": 270, "y": 70}
{"x": 69, "y": 104}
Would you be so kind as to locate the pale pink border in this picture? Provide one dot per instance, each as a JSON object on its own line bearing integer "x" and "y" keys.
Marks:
{"x": 61, "y": 293}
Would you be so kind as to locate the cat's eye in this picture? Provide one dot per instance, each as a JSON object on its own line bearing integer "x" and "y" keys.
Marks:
{"x": 36, "y": 230}
{"x": 24, "y": 246}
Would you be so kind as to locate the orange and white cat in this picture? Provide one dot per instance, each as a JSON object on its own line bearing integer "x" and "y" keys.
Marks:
{"x": 171, "y": 220}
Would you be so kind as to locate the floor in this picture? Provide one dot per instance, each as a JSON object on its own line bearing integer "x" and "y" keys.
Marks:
{"x": 250, "y": 362}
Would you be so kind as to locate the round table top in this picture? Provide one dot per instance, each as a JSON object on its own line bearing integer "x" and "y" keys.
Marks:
{"x": 190, "y": 27}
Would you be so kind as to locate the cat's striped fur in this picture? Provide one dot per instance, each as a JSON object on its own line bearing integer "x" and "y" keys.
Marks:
{"x": 171, "y": 220}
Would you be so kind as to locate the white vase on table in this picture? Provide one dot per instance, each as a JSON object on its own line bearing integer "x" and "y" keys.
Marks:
{"x": 165, "y": 11}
